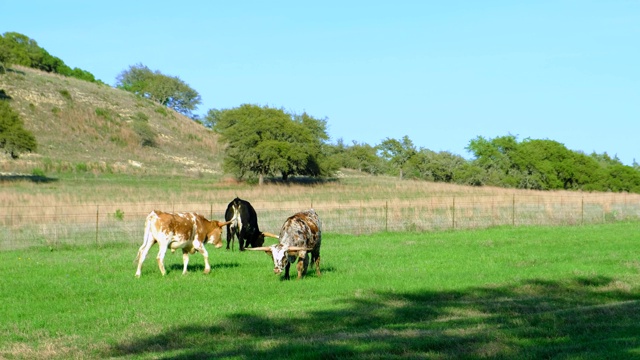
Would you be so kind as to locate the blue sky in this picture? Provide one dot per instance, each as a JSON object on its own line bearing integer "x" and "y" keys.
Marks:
{"x": 441, "y": 72}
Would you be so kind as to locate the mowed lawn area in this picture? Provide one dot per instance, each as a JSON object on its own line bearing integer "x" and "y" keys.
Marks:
{"x": 506, "y": 293}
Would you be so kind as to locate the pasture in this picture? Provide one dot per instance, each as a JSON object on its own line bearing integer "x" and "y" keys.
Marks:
{"x": 500, "y": 292}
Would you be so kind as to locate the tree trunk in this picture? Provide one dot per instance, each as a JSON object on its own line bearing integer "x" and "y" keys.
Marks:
{"x": 261, "y": 179}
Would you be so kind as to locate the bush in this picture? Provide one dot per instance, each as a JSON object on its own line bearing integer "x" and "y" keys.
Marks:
{"x": 143, "y": 129}
{"x": 65, "y": 94}
{"x": 38, "y": 172}
{"x": 14, "y": 138}
{"x": 119, "y": 215}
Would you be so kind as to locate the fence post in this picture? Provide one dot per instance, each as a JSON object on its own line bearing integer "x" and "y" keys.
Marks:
{"x": 361, "y": 222}
{"x": 386, "y": 216}
{"x": 453, "y": 211}
{"x": 97, "y": 221}
{"x": 582, "y": 210}
{"x": 513, "y": 211}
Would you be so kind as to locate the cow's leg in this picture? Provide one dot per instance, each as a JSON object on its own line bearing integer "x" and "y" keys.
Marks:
{"x": 286, "y": 271}
{"x": 200, "y": 247}
{"x": 142, "y": 254}
{"x": 303, "y": 262}
{"x": 230, "y": 234}
{"x": 161, "y": 252}
{"x": 185, "y": 261}
{"x": 317, "y": 264}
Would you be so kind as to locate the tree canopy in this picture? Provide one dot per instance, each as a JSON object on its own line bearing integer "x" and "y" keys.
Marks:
{"x": 14, "y": 138}
{"x": 19, "y": 49}
{"x": 504, "y": 161}
{"x": 397, "y": 152}
{"x": 169, "y": 91}
{"x": 267, "y": 141}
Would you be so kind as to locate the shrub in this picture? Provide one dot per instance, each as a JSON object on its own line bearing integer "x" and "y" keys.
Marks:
{"x": 119, "y": 215}
{"x": 38, "y": 172}
{"x": 143, "y": 129}
{"x": 162, "y": 110}
{"x": 81, "y": 167}
{"x": 65, "y": 94}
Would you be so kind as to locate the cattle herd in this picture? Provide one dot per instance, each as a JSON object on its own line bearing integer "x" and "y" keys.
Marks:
{"x": 189, "y": 231}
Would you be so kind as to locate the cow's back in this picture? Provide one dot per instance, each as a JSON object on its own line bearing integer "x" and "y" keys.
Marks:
{"x": 303, "y": 229}
{"x": 179, "y": 225}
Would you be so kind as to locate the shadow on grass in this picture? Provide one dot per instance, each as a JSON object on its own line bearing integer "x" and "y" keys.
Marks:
{"x": 594, "y": 317}
{"x": 4, "y": 96}
{"x": 301, "y": 180}
{"x": 32, "y": 178}
{"x": 200, "y": 267}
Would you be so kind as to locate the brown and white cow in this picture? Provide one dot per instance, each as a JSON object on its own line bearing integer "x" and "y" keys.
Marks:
{"x": 300, "y": 233}
{"x": 187, "y": 231}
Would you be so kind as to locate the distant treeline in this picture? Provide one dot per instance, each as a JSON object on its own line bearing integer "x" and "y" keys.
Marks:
{"x": 503, "y": 161}
{"x": 263, "y": 141}
{"x": 18, "y": 49}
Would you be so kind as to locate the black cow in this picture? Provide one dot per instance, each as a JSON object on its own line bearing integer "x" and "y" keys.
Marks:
{"x": 245, "y": 227}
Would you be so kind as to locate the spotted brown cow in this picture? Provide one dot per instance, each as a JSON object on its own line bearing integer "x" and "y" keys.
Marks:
{"x": 300, "y": 233}
{"x": 187, "y": 231}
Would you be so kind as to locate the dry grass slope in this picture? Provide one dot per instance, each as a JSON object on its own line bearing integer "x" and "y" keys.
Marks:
{"x": 81, "y": 126}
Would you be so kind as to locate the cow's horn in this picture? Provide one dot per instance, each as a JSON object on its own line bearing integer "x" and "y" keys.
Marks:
{"x": 268, "y": 234}
{"x": 263, "y": 248}
{"x": 299, "y": 248}
{"x": 226, "y": 223}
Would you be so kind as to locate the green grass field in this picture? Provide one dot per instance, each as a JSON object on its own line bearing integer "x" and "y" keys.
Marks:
{"x": 511, "y": 293}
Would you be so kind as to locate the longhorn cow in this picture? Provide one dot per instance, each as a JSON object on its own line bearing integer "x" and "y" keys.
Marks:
{"x": 300, "y": 233}
{"x": 187, "y": 231}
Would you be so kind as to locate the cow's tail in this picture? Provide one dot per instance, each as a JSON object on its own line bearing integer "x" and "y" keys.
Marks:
{"x": 148, "y": 237}
{"x": 236, "y": 224}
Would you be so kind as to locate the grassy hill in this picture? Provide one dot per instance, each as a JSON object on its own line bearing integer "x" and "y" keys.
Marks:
{"x": 87, "y": 127}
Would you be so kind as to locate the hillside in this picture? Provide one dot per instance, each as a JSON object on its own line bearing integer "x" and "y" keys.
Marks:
{"x": 86, "y": 127}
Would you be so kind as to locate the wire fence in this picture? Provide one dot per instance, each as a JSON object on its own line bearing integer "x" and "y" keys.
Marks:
{"x": 52, "y": 226}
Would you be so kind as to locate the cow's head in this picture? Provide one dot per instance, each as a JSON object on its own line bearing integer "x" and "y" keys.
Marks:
{"x": 280, "y": 254}
{"x": 215, "y": 236}
{"x": 215, "y": 233}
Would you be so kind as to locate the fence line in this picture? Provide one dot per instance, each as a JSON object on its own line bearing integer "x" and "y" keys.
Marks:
{"x": 26, "y": 226}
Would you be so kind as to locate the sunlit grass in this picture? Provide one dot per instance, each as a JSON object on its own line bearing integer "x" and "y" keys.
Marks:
{"x": 572, "y": 292}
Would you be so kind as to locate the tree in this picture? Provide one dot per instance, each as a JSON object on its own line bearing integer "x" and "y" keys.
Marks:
{"x": 169, "y": 91}
{"x": 439, "y": 167}
{"x": 397, "y": 153}
{"x": 211, "y": 118}
{"x": 494, "y": 157}
{"x": 267, "y": 141}
{"x": 622, "y": 178}
{"x": 544, "y": 165}
{"x": 19, "y": 49}
{"x": 14, "y": 138}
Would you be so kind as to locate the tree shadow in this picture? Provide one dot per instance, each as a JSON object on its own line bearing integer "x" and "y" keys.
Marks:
{"x": 15, "y": 71}
{"x": 590, "y": 317}
{"x": 33, "y": 178}
{"x": 197, "y": 267}
{"x": 4, "y": 96}
{"x": 301, "y": 180}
